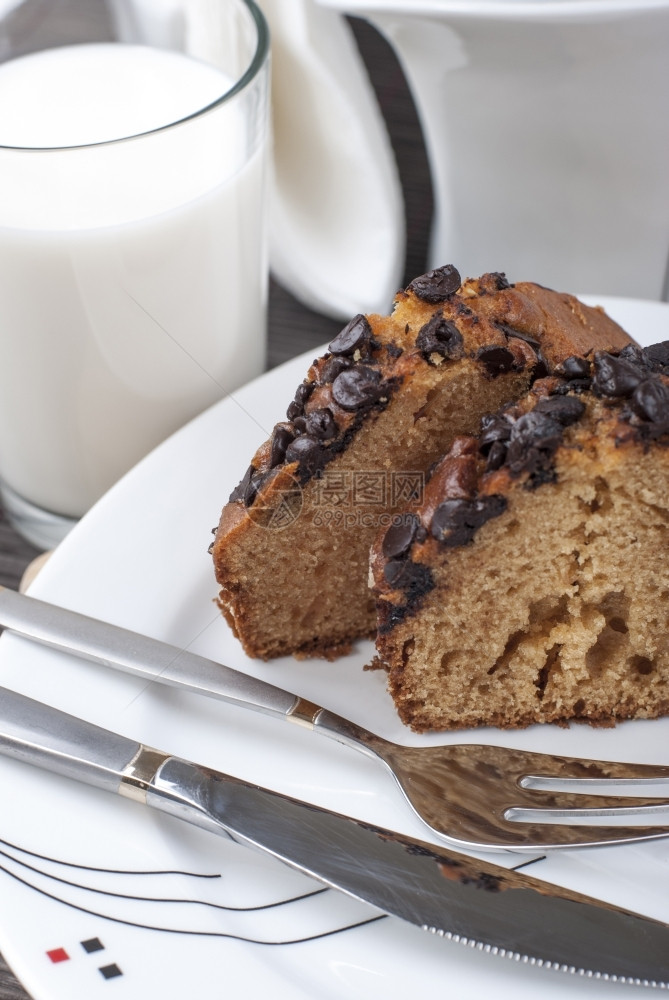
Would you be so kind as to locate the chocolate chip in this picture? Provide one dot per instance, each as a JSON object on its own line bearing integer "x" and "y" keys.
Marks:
{"x": 497, "y": 359}
{"x": 399, "y": 536}
{"x": 357, "y": 387}
{"x": 496, "y": 456}
{"x": 437, "y": 285}
{"x": 414, "y": 578}
{"x": 282, "y": 435}
{"x": 658, "y": 355}
{"x": 355, "y": 336}
{"x": 534, "y": 426}
{"x": 393, "y": 571}
{"x": 242, "y": 487}
{"x": 634, "y": 354}
{"x": 542, "y": 369}
{"x": 565, "y": 409}
{"x": 332, "y": 367}
{"x": 308, "y": 452}
{"x": 321, "y": 424}
{"x": 394, "y": 350}
{"x": 577, "y": 370}
{"x": 574, "y": 385}
{"x": 455, "y": 522}
{"x": 615, "y": 376}
{"x": 249, "y": 485}
{"x": 494, "y": 427}
{"x": 535, "y": 438}
{"x": 302, "y": 393}
{"x": 575, "y": 367}
{"x": 650, "y": 400}
{"x": 440, "y": 336}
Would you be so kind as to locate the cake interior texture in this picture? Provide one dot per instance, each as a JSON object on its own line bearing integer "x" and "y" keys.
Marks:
{"x": 557, "y": 611}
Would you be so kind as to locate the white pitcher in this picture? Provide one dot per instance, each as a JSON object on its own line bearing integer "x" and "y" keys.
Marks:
{"x": 547, "y": 128}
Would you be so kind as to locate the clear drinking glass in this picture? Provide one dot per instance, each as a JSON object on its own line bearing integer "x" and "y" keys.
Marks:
{"x": 133, "y": 260}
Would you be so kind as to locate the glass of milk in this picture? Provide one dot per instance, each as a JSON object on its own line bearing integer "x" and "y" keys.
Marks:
{"x": 133, "y": 262}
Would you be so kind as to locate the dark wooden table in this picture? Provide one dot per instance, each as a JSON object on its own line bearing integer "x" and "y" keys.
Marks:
{"x": 293, "y": 328}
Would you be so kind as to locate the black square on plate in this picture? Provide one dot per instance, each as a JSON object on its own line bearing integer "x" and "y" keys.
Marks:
{"x": 110, "y": 971}
{"x": 93, "y": 944}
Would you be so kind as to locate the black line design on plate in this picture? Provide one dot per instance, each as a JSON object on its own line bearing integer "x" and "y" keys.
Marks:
{"x": 160, "y": 899}
{"x": 193, "y": 933}
{"x": 106, "y": 871}
{"x": 156, "y": 899}
{"x": 524, "y": 864}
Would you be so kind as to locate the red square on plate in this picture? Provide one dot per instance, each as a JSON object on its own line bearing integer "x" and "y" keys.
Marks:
{"x": 58, "y": 955}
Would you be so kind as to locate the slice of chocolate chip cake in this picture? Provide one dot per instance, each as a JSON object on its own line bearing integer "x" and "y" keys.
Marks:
{"x": 291, "y": 552}
{"x": 532, "y": 583}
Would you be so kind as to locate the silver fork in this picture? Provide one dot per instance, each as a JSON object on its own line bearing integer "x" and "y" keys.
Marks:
{"x": 485, "y": 797}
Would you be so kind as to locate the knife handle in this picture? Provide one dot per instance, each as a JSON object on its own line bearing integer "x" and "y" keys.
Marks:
{"x": 140, "y": 655}
{"x": 44, "y": 736}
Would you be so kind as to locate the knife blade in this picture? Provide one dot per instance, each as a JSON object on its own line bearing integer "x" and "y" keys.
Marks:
{"x": 440, "y": 890}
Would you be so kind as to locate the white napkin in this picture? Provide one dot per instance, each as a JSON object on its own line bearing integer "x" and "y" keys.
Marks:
{"x": 336, "y": 217}
{"x": 336, "y": 212}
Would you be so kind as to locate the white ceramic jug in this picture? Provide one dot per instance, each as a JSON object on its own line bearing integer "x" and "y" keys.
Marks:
{"x": 547, "y": 127}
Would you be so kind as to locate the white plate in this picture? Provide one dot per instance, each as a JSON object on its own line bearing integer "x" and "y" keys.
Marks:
{"x": 98, "y": 890}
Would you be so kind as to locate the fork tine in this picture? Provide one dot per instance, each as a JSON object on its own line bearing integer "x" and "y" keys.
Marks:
{"x": 576, "y": 802}
{"x": 545, "y": 765}
{"x": 497, "y": 832}
{"x": 578, "y": 806}
{"x": 550, "y": 836}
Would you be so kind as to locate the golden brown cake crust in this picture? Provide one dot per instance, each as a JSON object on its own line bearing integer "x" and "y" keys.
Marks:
{"x": 531, "y": 585}
{"x": 391, "y": 394}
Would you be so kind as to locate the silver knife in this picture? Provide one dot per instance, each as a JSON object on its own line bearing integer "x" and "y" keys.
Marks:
{"x": 451, "y": 894}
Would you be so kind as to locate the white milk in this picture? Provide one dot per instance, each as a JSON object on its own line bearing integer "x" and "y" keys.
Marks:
{"x": 132, "y": 275}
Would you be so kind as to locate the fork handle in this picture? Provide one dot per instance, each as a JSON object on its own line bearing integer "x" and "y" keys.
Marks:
{"x": 132, "y": 653}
